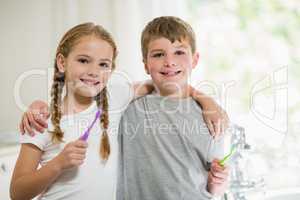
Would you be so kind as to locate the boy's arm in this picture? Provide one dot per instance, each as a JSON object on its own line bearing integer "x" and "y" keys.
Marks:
{"x": 37, "y": 114}
{"x": 142, "y": 88}
{"x": 27, "y": 182}
{"x": 214, "y": 116}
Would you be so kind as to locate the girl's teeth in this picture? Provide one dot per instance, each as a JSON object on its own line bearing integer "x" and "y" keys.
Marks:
{"x": 89, "y": 82}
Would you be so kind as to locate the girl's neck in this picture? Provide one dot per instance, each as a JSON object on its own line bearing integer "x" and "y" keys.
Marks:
{"x": 74, "y": 104}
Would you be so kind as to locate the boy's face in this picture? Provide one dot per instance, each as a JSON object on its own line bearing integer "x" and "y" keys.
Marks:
{"x": 170, "y": 64}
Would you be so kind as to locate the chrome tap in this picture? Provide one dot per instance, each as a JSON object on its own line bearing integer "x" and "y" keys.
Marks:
{"x": 240, "y": 183}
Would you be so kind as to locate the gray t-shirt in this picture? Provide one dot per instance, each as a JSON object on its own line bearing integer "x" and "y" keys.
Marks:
{"x": 165, "y": 148}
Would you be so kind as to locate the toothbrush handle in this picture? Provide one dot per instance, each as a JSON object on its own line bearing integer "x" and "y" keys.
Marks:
{"x": 84, "y": 136}
{"x": 87, "y": 132}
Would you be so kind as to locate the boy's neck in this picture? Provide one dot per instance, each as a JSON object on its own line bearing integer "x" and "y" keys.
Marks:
{"x": 74, "y": 104}
{"x": 179, "y": 93}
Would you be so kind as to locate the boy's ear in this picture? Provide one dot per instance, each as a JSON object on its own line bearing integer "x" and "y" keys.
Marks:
{"x": 196, "y": 57}
{"x": 146, "y": 67}
{"x": 61, "y": 63}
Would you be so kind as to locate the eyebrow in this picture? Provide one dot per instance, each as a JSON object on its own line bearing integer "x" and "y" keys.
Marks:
{"x": 177, "y": 47}
{"x": 154, "y": 50}
{"x": 102, "y": 59}
{"x": 181, "y": 46}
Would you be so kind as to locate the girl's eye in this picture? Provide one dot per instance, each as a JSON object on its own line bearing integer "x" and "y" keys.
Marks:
{"x": 83, "y": 60}
{"x": 179, "y": 52}
{"x": 105, "y": 65}
{"x": 157, "y": 55}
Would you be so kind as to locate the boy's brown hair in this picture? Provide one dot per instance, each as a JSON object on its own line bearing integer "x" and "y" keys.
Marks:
{"x": 170, "y": 27}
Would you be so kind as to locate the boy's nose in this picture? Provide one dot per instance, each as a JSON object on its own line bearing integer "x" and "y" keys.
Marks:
{"x": 169, "y": 62}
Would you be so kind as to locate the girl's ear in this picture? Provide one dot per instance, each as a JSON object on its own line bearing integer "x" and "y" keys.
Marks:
{"x": 196, "y": 57}
{"x": 61, "y": 63}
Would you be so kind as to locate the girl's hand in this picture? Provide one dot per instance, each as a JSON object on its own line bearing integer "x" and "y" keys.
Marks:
{"x": 35, "y": 117}
{"x": 214, "y": 116}
{"x": 72, "y": 155}
{"x": 218, "y": 178}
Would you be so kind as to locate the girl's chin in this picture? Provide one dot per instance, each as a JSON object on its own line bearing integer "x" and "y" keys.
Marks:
{"x": 88, "y": 93}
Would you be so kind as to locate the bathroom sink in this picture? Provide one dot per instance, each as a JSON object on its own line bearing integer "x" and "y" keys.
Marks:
{"x": 286, "y": 197}
{"x": 285, "y": 194}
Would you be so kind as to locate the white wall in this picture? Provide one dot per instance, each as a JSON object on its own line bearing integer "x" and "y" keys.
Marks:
{"x": 31, "y": 29}
{"x": 26, "y": 41}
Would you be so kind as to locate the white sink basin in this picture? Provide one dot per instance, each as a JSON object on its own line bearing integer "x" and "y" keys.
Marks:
{"x": 8, "y": 156}
{"x": 286, "y": 194}
{"x": 286, "y": 197}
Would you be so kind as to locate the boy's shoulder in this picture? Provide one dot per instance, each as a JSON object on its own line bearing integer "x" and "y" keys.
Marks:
{"x": 148, "y": 102}
{"x": 135, "y": 104}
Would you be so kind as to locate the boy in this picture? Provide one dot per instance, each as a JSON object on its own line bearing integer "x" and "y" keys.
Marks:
{"x": 163, "y": 143}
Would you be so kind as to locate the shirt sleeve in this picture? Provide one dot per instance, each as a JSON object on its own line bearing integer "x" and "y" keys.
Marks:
{"x": 40, "y": 140}
{"x": 205, "y": 194}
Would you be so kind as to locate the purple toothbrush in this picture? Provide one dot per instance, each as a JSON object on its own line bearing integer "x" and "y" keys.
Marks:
{"x": 87, "y": 132}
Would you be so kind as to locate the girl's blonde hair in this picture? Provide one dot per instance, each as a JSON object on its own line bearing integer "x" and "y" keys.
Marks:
{"x": 69, "y": 40}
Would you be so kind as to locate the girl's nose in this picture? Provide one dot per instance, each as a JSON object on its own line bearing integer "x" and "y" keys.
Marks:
{"x": 93, "y": 71}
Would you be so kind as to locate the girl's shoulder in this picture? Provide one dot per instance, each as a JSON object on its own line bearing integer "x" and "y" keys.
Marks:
{"x": 41, "y": 140}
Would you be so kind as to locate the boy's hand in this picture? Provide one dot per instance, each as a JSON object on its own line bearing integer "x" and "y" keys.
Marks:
{"x": 214, "y": 116}
{"x": 35, "y": 117}
{"x": 72, "y": 155}
{"x": 218, "y": 176}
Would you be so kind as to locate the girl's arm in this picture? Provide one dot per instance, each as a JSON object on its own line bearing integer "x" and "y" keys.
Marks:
{"x": 214, "y": 116}
{"x": 27, "y": 182}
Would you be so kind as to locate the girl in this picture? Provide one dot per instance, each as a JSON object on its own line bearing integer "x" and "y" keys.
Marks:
{"x": 71, "y": 168}
{"x": 68, "y": 169}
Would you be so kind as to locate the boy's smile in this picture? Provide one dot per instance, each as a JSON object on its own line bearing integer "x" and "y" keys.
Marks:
{"x": 170, "y": 73}
{"x": 170, "y": 64}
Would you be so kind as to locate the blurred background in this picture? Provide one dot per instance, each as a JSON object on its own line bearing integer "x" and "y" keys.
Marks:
{"x": 249, "y": 62}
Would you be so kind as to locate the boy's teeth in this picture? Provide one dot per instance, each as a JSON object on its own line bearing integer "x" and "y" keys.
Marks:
{"x": 171, "y": 73}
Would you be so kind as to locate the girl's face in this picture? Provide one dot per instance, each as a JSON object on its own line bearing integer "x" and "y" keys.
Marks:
{"x": 87, "y": 67}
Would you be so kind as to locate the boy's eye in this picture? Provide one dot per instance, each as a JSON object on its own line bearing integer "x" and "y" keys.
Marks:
{"x": 105, "y": 65}
{"x": 157, "y": 55}
{"x": 179, "y": 52}
{"x": 83, "y": 60}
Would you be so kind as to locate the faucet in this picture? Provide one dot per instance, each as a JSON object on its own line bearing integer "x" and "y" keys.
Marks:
{"x": 240, "y": 184}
